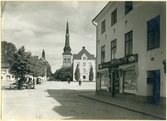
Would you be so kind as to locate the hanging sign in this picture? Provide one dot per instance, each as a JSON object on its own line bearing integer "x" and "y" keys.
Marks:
{"x": 116, "y": 62}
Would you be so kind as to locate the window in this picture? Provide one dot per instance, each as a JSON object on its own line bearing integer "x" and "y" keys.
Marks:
{"x": 103, "y": 81}
{"x": 84, "y": 64}
{"x": 103, "y": 26}
{"x": 84, "y": 70}
{"x": 113, "y": 48}
{"x": 128, "y": 7}
{"x": 128, "y": 43}
{"x": 84, "y": 58}
{"x": 103, "y": 54}
{"x": 153, "y": 33}
{"x": 114, "y": 17}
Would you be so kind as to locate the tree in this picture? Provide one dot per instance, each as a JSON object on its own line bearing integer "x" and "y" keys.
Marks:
{"x": 8, "y": 49}
{"x": 77, "y": 73}
{"x": 21, "y": 64}
{"x": 37, "y": 66}
{"x": 63, "y": 74}
{"x": 91, "y": 75}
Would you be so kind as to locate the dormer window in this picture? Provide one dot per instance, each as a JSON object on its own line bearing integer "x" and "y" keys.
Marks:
{"x": 84, "y": 58}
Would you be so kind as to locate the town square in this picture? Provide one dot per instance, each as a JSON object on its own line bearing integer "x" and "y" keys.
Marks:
{"x": 83, "y": 60}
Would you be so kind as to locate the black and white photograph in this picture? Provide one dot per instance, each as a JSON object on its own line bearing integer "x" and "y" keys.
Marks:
{"x": 83, "y": 60}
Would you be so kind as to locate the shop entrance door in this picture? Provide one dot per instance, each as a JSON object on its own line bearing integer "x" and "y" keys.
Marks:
{"x": 156, "y": 87}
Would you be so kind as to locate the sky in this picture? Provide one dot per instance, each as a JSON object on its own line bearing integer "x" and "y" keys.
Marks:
{"x": 41, "y": 25}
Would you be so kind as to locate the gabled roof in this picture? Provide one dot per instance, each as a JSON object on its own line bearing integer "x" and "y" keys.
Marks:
{"x": 43, "y": 60}
{"x": 84, "y": 51}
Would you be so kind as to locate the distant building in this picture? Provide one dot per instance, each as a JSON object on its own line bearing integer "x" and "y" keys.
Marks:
{"x": 45, "y": 78}
{"x": 131, "y": 49}
{"x": 5, "y": 75}
{"x": 85, "y": 60}
{"x": 67, "y": 56}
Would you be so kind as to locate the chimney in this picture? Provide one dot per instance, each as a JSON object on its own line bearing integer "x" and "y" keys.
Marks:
{"x": 83, "y": 47}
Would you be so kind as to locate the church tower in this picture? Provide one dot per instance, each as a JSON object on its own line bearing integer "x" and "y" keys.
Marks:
{"x": 67, "y": 56}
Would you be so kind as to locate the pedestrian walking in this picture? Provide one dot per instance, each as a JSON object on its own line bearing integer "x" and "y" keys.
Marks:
{"x": 68, "y": 81}
{"x": 80, "y": 82}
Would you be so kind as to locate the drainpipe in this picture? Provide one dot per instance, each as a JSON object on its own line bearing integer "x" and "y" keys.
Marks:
{"x": 96, "y": 67}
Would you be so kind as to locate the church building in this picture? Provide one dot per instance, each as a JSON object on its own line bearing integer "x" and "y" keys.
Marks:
{"x": 67, "y": 56}
{"x": 45, "y": 78}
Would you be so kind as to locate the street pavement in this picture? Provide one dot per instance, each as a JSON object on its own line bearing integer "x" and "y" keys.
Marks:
{"x": 61, "y": 101}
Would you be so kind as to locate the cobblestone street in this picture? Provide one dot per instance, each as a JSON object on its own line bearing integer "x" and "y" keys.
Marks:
{"x": 60, "y": 101}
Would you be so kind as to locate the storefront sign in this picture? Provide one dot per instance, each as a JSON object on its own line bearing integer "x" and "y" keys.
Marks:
{"x": 116, "y": 62}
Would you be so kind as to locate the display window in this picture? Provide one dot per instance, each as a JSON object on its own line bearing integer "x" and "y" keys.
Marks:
{"x": 129, "y": 81}
{"x": 103, "y": 81}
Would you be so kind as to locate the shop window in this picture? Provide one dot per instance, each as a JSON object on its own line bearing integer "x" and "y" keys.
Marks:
{"x": 129, "y": 79}
{"x": 113, "y": 49}
{"x": 114, "y": 17}
{"x": 103, "y": 26}
{"x": 103, "y": 81}
{"x": 128, "y": 43}
{"x": 153, "y": 33}
{"x": 128, "y": 7}
{"x": 103, "y": 54}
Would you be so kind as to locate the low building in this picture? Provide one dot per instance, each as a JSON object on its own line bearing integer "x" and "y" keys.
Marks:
{"x": 85, "y": 60}
{"x": 131, "y": 49}
{"x": 5, "y": 74}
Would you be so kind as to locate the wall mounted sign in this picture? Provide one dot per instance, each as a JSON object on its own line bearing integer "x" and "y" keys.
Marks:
{"x": 116, "y": 62}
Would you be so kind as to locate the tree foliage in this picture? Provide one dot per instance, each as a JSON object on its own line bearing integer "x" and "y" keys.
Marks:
{"x": 8, "y": 49}
{"x": 77, "y": 73}
{"x": 63, "y": 74}
{"x": 21, "y": 63}
{"x": 91, "y": 75}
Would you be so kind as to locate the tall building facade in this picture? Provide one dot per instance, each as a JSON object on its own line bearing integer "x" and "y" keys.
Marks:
{"x": 131, "y": 49}
{"x": 84, "y": 60}
{"x": 67, "y": 56}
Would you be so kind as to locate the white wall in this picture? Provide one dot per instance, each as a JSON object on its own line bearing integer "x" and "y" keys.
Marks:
{"x": 75, "y": 62}
{"x": 136, "y": 21}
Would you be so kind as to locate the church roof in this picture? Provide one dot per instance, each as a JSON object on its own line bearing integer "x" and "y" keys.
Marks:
{"x": 67, "y": 42}
{"x": 67, "y": 53}
{"x": 43, "y": 57}
{"x": 43, "y": 60}
{"x": 84, "y": 51}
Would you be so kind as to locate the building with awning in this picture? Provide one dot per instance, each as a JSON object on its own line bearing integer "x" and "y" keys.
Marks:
{"x": 131, "y": 50}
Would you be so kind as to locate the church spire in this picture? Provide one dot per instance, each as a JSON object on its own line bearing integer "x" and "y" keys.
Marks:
{"x": 67, "y": 49}
{"x": 43, "y": 54}
{"x": 67, "y": 30}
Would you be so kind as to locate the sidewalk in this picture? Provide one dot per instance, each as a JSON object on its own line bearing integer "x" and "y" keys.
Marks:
{"x": 147, "y": 109}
